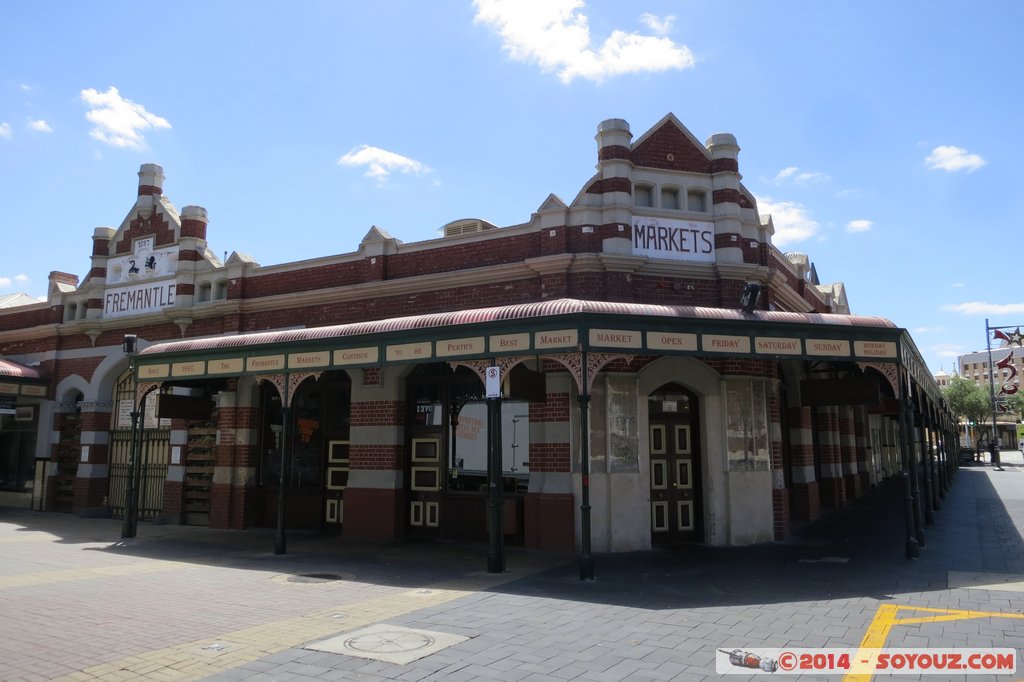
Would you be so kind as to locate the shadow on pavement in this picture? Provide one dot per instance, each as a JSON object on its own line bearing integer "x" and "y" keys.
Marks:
{"x": 854, "y": 552}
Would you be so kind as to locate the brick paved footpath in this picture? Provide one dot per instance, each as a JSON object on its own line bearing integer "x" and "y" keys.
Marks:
{"x": 180, "y": 603}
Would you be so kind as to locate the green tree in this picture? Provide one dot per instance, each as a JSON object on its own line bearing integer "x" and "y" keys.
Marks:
{"x": 1016, "y": 403}
{"x": 968, "y": 401}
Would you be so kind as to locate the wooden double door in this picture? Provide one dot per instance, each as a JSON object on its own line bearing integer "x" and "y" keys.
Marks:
{"x": 675, "y": 457}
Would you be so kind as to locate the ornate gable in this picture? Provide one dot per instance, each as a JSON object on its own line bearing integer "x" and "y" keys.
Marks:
{"x": 670, "y": 146}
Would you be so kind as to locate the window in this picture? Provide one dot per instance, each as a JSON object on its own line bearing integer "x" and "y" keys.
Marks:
{"x": 695, "y": 201}
{"x": 17, "y": 453}
{"x": 220, "y": 291}
{"x": 643, "y": 195}
{"x": 204, "y": 291}
{"x": 670, "y": 198}
{"x": 70, "y": 312}
{"x": 468, "y": 445}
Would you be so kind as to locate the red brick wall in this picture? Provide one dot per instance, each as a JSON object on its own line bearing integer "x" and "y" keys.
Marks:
{"x": 549, "y": 457}
{"x": 655, "y": 151}
{"x": 549, "y": 521}
{"x": 780, "y": 507}
{"x": 155, "y": 225}
{"x": 742, "y": 367}
{"x": 554, "y": 409}
{"x": 377, "y": 413}
{"x": 173, "y": 500}
{"x": 377, "y": 457}
{"x": 373, "y": 514}
{"x": 30, "y": 318}
{"x": 89, "y": 492}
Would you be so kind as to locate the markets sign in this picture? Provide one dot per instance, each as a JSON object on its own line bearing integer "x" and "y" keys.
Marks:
{"x": 673, "y": 239}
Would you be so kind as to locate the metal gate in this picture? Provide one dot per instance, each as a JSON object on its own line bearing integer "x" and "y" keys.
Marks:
{"x": 153, "y": 451}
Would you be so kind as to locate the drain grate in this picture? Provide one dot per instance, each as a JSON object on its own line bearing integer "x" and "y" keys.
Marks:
{"x": 314, "y": 578}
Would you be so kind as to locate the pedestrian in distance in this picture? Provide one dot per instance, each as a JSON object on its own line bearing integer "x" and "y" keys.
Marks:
{"x": 993, "y": 448}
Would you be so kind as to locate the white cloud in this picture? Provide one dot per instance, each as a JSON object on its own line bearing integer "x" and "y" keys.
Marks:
{"x": 859, "y": 225}
{"x": 40, "y": 126}
{"x": 792, "y": 222}
{"x": 952, "y": 159}
{"x": 380, "y": 163}
{"x": 8, "y": 281}
{"x": 957, "y": 285}
{"x": 806, "y": 177}
{"x": 556, "y": 36}
{"x": 119, "y": 122}
{"x": 929, "y": 330}
{"x": 5, "y": 131}
{"x": 660, "y": 25}
{"x": 984, "y": 308}
{"x": 947, "y": 350}
{"x": 25, "y": 87}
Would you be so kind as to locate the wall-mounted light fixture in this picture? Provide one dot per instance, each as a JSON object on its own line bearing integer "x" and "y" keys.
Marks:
{"x": 748, "y": 299}
{"x": 129, "y": 344}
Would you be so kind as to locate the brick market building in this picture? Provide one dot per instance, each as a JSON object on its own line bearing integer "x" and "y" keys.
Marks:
{"x": 668, "y": 375}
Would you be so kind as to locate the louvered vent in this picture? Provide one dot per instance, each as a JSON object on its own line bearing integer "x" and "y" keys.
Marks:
{"x": 457, "y": 228}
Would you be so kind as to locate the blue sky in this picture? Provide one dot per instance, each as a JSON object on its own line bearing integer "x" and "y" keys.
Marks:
{"x": 885, "y": 138}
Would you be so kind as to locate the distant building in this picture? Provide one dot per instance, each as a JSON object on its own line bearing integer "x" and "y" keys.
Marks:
{"x": 18, "y": 299}
{"x": 1009, "y": 368}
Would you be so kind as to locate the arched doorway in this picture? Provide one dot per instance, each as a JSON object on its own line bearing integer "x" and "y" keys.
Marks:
{"x": 316, "y": 474}
{"x": 676, "y": 489}
{"x": 435, "y": 396}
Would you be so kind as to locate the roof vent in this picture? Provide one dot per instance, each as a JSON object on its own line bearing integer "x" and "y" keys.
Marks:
{"x": 458, "y": 228}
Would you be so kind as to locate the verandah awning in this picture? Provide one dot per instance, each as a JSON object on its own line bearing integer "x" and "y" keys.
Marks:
{"x": 17, "y": 379}
{"x": 558, "y": 326}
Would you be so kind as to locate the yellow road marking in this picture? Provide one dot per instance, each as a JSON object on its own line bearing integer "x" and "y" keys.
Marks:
{"x": 887, "y": 616}
{"x": 194, "y": 660}
{"x": 65, "y": 575}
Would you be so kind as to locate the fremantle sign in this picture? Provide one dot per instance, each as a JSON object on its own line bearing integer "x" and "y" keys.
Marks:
{"x": 674, "y": 239}
{"x": 139, "y": 298}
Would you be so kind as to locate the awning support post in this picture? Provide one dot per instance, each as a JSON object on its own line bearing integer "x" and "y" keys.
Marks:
{"x": 586, "y": 558}
{"x": 128, "y": 525}
{"x": 280, "y": 542}
{"x": 913, "y": 548}
{"x": 495, "y": 549}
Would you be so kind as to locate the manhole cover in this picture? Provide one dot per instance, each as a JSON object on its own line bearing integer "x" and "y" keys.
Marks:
{"x": 389, "y": 642}
{"x": 314, "y": 578}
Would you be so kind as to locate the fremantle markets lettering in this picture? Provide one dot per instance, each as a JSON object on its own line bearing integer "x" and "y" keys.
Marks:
{"x": 674, "y": 239}
{"x": 138, "y": 299}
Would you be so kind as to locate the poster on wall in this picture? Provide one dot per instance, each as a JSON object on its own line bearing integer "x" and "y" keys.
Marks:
{"x": 124, "y": 414}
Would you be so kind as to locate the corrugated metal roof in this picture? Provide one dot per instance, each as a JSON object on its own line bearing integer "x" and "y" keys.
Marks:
{"x": 522, "y": 311}
{"x": 9, "y": 368}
